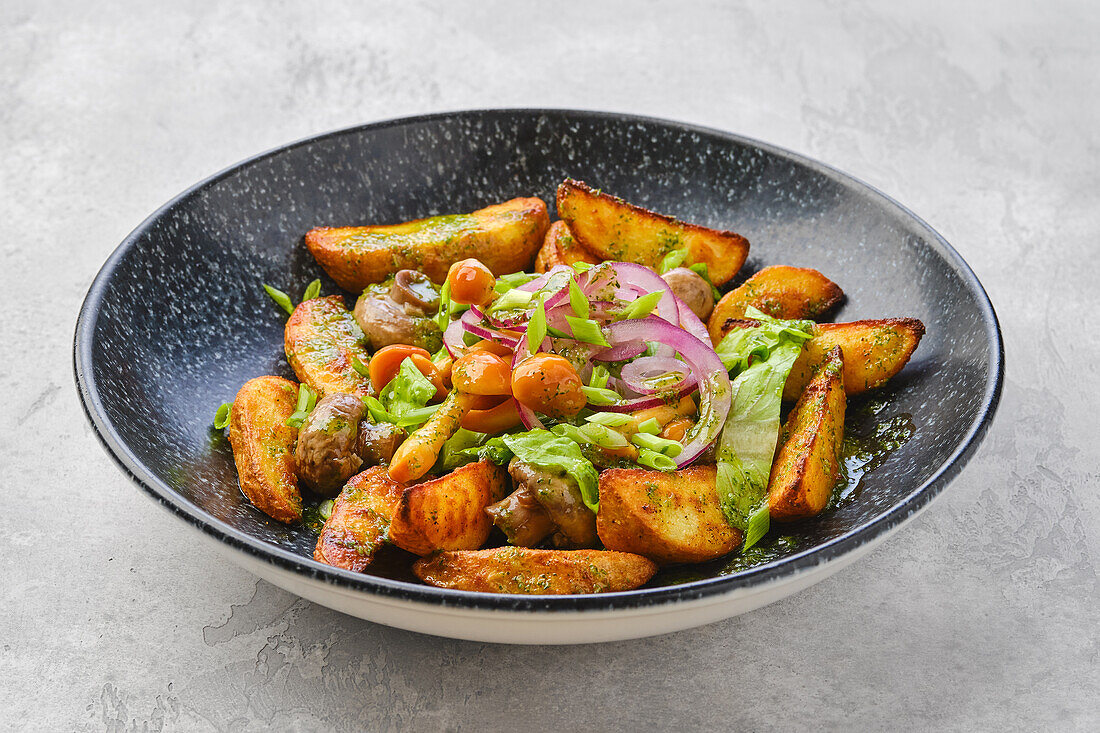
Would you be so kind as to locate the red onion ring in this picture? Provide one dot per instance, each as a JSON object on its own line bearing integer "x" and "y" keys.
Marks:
{"x": 636, "y": 374}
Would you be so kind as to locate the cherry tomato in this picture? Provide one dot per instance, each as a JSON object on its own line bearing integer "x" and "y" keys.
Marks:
{"x": 494, "y": 347}
{"x": 386, "y": 362}
{"x": 482, "y": 373}
{"x": 549, "y": 384}
{"x": 471, "y": 282}
{"x": 493, "y": 420}
{"x": 676, "y": 429}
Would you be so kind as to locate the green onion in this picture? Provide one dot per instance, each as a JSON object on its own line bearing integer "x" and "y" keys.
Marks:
{"x": 377, "y": 410}
{"x": 670, "y": 448}
{"x": 586, "y": 330}
{"x": 610, "y": 419}
{"x": 281, "y": 299}
{"x": 758, "y": 526}
{"x": 512, "y": 299}
{"x": 536, "y": 328}
{"x": 672, "y": 260}
{"x": 653, "y": 459}
{"x": 443, "y": 318}
{"x": 600, "y": 375}
{"x": 644, "y": 305}
{"x": 307, "y": 398}
{"x": 312, "y": 290}
{"x": 569, "y": 431}
{"x": 600, "y": 396}
{"x": 513, "y": 280}
{"x": 358, "y": 365}
{"x": 603, "y": 436}
{"x": 577, "y": 299}
{"x": 557, "y": 333}
{"x": 581, "y": 267}
{"x": 325, "y": 508}
{"x": 222, "y": 416}
{"x": 650, "y": 426}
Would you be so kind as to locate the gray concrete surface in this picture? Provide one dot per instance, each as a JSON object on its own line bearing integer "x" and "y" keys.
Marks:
{"x": 982, "y": 117}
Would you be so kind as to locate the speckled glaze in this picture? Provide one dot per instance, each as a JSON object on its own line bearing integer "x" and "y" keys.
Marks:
{"x": 176, "y": 320}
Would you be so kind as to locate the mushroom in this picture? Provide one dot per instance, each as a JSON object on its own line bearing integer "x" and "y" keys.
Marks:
{"x": 691, "y": 288}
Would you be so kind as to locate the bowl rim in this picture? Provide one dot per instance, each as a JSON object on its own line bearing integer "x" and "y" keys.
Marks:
{"x": 774, "y": 571}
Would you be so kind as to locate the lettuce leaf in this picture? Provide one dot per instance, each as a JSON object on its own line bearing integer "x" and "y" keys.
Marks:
{"x": 405, "y": 398}
{"x": 546, "y": 450}
{"x": 760, "y": 359}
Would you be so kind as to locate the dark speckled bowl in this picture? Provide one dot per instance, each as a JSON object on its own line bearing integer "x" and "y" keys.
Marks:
{"x": 176, "y": 321}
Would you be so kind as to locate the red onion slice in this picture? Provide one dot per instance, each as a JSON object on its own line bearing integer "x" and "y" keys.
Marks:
{"x": 637, "y": 374}
{"x": 452, "y": 339}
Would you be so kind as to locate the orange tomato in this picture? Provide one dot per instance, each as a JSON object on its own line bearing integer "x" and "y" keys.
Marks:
{"x": 386, "y": 362}
{"x": 471, "y": 282}
{"x": 676, "y": 429}
{"x": 493, "y": 347}
{"x": 493, "y": 420}
{"x": 482, "y": 373}
{"x": 549, "y": 384}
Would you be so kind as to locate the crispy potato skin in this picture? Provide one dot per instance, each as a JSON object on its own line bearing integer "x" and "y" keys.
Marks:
{"x": 809, "y": 461}
{"x": 613, "y": 229}
{"x": 535, "y": 572}
{"x": 360, "y": 516}
{"x": 560, "y": 248}
{"x": 504, "y": 237}
{"x": 448, "y": 513}
{"x": 667, "y": 517}
{"x": 874, "y": 351}
{"x": 781, "y": 292}
{"x": 263, "y": 446}
{"x": 321, "y": 339}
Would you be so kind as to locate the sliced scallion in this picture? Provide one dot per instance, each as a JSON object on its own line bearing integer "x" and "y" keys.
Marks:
{"x": 600, "y": 395}
{"x": 650, "y": 426}
{"x": 325, "y": 508}
{"x": 603, "y": 436}
{"x": 662, "y": 445}
{"x": 536, "y": 328}
{"x": 377, "y": 411}
{"x": 600, "y": 375}
{"x": 443, "y": 318}
{"x": 581, "y": 267}
{"x": 312, "y": 290}
{"x": 758, "y": 526}
{"x": 644, "y": 305}
{"x": 358, "y": 365}
{"x": 586, "y": 330}
{"x": 512, "y": 299}
{"x": 610, "y": 419}
{"x": 281, "y": 299}
{"x": 577, "y": 299}
{"x": 653, "y": 459}
{"x": 672, "y": 260}
{"x": 223, "y": 415}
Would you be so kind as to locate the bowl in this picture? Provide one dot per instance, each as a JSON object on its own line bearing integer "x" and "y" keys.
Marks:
{"x": 176, "y": 321}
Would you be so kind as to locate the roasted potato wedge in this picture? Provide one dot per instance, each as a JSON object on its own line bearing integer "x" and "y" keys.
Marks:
{"x": 535, "y": 572}
{"x": 448, "y": 513}
{"x": 874, "y": 351}
{"x": 809, "y": 463}
{"x": 321, "y": 340}
{"x": 612, "y": 229}
{"x": 263, "y": 446}
{"x": 505, "y": 237}
{"x": 560, "y": 248}
{"x": 779, "y": 291}
{"x": 360, "y": 516}
{"x": 668, "y": 517}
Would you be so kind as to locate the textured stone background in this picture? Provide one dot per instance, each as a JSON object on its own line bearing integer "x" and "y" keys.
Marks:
{"x": 982, "y": 117}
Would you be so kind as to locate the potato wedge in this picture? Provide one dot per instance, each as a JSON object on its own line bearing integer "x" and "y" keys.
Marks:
{"x": 448, "y": 513}
{"x": 668, "y": 517}
{"x": 535, "y": 572}
{"x": 560, "y": 248}
{"x": 505, "y": 237}
{"x": 874, "y": 351}
{"x": 360, "y": 516}
{"x": 263, "y": 446}
{"x": 809, "y": 462}
{"x": 612, "y": 229}
{"x": 321, "y": 340}
{"x": 779, "y": 291}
